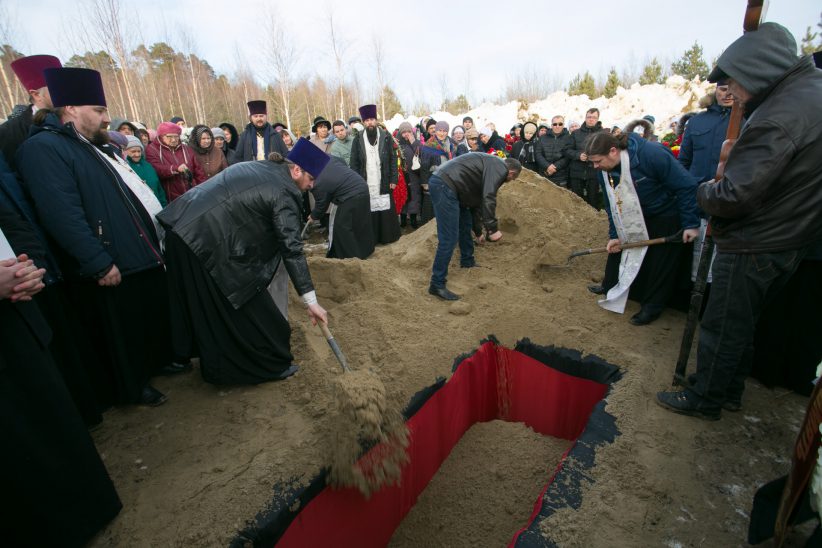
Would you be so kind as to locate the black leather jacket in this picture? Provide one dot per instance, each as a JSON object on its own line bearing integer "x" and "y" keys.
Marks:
{"x": 240, "y": 224}
{"x": 770, "y": 198}
{"x": 476, "y": 178}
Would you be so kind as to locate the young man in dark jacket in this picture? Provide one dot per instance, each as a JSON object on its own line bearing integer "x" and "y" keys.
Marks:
{"x": 551, "y": 159}
{"x": 765, "y": 210}
{"x": 582, "y": 176}
{"x": 468, "y": 181}
{"x": 704, "y": 135}
{"x": 105, "y": 237}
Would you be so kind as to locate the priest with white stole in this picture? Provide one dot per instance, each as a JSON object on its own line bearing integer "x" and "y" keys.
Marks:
{"x": 651, "y": 196}
{"x": 374, "y": 157}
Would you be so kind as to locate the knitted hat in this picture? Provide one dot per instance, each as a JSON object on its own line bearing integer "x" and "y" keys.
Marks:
{"x": 457, "y": 128}
{"x": 256, "y": 107}
{"x": 29, "y": 70}
{"x": 405, "y": 126}
{"x": 132, "y": 142}
{"x": 442, "y": 125}
{"x": 486, "y": 131}
{"x": 75, "y": 87}
{"x": 354, "y": 119}
{"x": 309, "y": 157}
{"x": 217, "y": 132}
{"x": 167, "y": 127}
{"x": 177, "y": 119}
{"x": 467, "y": 119}
{"x": 368, "y": 111}
{"x": 118, "y": 139}
{"x": 649, "y": 118}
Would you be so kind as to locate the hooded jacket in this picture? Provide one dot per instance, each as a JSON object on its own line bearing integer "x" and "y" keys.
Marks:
{"x": 770, "y": 197}
{"x": 84, "y": 205}
{"x": 476, "y": 178}
{"x": 240, "y": 224}
{"x": 165, "y": 162}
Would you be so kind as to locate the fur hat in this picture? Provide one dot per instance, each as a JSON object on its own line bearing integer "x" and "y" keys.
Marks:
{"x": 309, "y": 157}
{"x": 29, "y": 70}
{"x": 74, "y": 86}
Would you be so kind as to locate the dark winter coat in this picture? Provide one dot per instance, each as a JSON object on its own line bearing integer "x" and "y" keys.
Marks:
{"x": 388, "y": 159}
{"x": 662, "y": 185}
{"x": 247, "y": 143}
{"x": 526, "y": 153}
{"x": 14, "y": 131}
{"x": 240, "y": 224}
{"x": 578, "y": 169}
{"x": 84, "y": 205}
{"x": 702, "y": 141}
{"x": 551, "y": 149}
{"x": 770, "y": 198}
{"x": 165, "y": 162}
{"x": 235, "y": 136}
{"x": 476, "y": 178}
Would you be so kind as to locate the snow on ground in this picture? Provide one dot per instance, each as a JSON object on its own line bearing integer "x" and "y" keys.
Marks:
{"x": 663, "y": 101}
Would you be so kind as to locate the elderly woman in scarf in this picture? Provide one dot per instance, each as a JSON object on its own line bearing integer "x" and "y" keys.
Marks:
{"x": 209, "y": 156}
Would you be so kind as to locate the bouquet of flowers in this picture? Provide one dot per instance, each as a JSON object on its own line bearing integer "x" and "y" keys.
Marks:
{"x": 673, "y": 142}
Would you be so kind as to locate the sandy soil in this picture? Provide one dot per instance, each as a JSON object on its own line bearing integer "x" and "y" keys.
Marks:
{"x": 193, "y": 471}
{"x": 485, "y": 490}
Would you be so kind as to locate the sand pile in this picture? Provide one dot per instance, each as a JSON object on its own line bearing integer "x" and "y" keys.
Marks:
{"x": 209, "y": 459}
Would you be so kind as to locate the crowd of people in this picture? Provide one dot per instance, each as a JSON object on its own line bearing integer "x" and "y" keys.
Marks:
{"x": 128, "y": 251}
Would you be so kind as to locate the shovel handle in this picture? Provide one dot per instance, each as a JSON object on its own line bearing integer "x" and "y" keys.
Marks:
{"x": 673, "y": 238}
{"x": 334, "y": 346}
{"x": 305, "y": 228}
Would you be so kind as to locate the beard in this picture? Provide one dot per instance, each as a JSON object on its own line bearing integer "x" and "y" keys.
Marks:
{"x": 100, "y": 138}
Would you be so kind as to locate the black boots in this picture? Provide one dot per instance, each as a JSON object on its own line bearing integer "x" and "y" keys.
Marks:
{"x": 443, "y": 293}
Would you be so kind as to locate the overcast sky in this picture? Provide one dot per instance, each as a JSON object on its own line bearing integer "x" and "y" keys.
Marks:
{"x": 430, "y": 46}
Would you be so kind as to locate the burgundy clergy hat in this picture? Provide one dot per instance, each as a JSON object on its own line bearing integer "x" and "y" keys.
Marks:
{"x": 256, "y": 107}
{"x": 75, "y": 86}
{"x": 368, "y": 111}
{"x": 309, "y": 157}
{"x": 29, "y": 70}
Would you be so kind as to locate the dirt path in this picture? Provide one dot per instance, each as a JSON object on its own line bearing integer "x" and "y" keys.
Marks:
{"x": 191, "y": 472}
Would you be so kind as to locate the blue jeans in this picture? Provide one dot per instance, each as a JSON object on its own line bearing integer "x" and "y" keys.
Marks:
{"x": 454, "y": 225}
{"x": 742, "y": 286}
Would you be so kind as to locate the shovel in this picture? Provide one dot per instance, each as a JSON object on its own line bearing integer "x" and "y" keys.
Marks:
{"x": 672, "y": 239}
{"x": 303, "y": 237}
{"x": 334, "y": 346}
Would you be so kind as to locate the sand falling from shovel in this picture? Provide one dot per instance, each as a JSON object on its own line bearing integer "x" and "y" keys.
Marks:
{"x": 363, "y": 418}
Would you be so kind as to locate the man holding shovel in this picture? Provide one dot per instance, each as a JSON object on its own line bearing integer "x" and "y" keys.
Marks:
{"x": 765, "y": 210}
{"x": 653, "y": 197}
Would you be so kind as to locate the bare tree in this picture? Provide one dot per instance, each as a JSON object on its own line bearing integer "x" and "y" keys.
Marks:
{"x": 338, "y": 48}
{"x": 378, "y": 52}
{"x": 282, "y": 58}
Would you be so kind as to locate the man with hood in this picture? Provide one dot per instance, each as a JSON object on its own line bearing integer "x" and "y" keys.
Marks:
{"x": 765, "y": 211}
{"x": 582, "y": 176}
{"x": 341, "y": 147}
{"x": 551, "y": 159}
{"x": 259, "y": 138}
{"x": 15, "y": 129}
{"x": 99, "y": 213}
{"x": 373, "y": 156}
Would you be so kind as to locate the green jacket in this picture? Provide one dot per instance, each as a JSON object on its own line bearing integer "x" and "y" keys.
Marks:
{"x": 144, "y": 170}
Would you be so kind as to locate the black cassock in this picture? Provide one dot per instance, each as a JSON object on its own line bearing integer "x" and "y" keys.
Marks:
{"x": 55, "y": 489}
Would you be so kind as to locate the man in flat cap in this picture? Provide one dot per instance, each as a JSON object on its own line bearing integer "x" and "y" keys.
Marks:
{"x": 15, "y": 129}
{"x": 98, "y": 213}
{"x": 765, "y": 211}
{"x": 373, "y": 156}
{"x": 259, "y": 138}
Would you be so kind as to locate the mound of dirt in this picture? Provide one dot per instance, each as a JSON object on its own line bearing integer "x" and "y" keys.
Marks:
{"x": 195, "y": 470}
